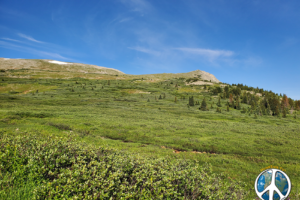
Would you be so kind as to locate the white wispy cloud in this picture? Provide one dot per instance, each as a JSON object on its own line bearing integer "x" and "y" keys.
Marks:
{"x": 207, "y": 53}
{"x": 9, "y": 39}
{"x": 29, "y": 38}
{"x": 145, "y": 50}
{"x": 125, "y": 20}
{"x": 15, "y": 47}
{"x": 140, "y": 6}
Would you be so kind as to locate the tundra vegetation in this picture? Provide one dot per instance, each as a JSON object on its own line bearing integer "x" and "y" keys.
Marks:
{"x": 140, "y": 137}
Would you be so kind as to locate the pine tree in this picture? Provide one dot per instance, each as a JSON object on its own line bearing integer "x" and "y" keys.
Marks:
{"x": 230, "y": 98}
{"x": 238, "y": 106}
{"x": 243, "y": 110}
{"x": 148, "y": 100}
{"x": 284, "y": 113}
{"x": 155, "y": 98}
{"x": 227, "y": 108}
{"x": 108, "y": 82}
{"x": 175, "y": 99}
{"x": 277, "y": 112}
{"x": 160, "y": 97}
{"x": 285, "y": 102}
{"x": 232, "y": 104}
{"x": 252, "y": 105}
{"x": 211, "y": 106}
{"x": 219, "y": 102}
{"x": 191, "y": 101}
{"x": 245, "y": 99}
{"x": 203, "y": 105}
{"x": 164, "y": 95}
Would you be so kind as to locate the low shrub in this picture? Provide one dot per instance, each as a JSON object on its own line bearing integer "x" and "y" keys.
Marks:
{"x": 31, "y": 114}
{"x": 60, "y": 126}
{"x": 67, "y": 169}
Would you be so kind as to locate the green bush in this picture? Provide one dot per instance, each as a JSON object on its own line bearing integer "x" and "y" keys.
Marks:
{"x": 60, "y": 126}
{"x": 67, "y": 169}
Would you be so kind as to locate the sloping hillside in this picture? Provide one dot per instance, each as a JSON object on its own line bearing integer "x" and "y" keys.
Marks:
{"x": 55, "y": 66}
{"x": 201, "y": 75}
{"x": 29, "y": 68}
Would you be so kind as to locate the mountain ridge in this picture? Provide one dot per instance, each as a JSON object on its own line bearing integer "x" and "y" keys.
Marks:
{"x": 54, "y": 65}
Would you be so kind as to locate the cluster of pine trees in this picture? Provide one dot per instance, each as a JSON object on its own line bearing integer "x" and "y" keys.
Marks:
{"x": 269, "y": 103}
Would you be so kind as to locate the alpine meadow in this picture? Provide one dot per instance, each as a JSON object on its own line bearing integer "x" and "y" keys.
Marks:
{"x": 78, "y": 131}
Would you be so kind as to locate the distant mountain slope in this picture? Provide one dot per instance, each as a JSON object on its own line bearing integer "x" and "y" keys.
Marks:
{"x": 204, "y": 76}
{"x": 51, "y": 65}
{"x": 58, "y": 69}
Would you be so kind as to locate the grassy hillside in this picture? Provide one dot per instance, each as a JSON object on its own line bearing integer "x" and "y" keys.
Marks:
{"x": 147, "y": 117}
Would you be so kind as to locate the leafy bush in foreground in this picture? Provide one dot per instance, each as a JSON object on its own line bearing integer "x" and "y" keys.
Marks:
{"x": 64, "y": 169}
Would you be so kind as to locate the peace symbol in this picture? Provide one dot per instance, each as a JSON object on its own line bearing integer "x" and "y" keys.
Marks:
{"x": 272, "y": 187}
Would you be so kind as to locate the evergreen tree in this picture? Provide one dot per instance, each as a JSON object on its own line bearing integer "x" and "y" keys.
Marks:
{"x": 252, "y": 104}
{"x": 224, "y": 95}
{"x": 291, "y": 103}
{"x": 227, "y": 108}
{"x": 175, "y": 99}
{"x": 245, "y": 99}
{"x": 108, "y": 82}
{"x": 297, "y": 103}
{"x": 211, "y": 106}
{"x": 191, "y": 101}
{"x": 203, "y": 105}
{"x": 230, "y": 98}
{"x": 148, "y": 100}
{"x": 219, "y": 102}
{"x": 277, "y": 112}
{"x": 160, "y": 97}
{"x": 155, "y": 98}
{"x": 285, "y": 101}
{"x": 244, "y": 110}
{"x": 164, "y": 95}
{"x": 284, "y": 113}
{"x": 238, "y": 106}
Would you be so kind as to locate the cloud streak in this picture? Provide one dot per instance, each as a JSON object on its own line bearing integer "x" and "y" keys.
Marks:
{"x": 9, "y": 39}
{"x": 207, "y": 53}
{"x": 140, "y": 6}
{"x": 29, "y": 38}
{"x": 144, "y": 50}
{"x": 15, "y": 47}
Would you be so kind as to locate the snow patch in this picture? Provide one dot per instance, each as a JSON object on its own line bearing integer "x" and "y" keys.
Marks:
{"x": 6, "y": 58}
{"x": 59, "y": 62}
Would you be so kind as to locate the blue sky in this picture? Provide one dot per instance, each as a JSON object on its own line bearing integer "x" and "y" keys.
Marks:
{"x": 256, "y": 42}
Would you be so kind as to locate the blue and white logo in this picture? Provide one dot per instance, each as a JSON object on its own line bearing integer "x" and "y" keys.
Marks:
{"x": 272, "y": 184}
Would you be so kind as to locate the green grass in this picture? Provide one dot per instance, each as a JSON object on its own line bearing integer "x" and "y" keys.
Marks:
{"x": 116, "y": 116}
